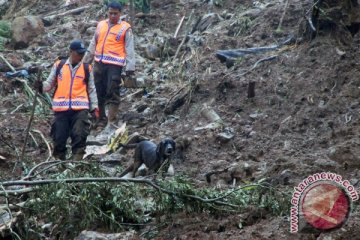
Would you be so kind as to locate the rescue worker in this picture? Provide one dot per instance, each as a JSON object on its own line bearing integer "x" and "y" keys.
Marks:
{"x": 74, "y": 97}
{"x": 112, "y": 48}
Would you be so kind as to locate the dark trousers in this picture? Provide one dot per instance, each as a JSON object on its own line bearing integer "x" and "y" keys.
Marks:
{"x": 107, "y": 82}
{"x": 73, "y": 124}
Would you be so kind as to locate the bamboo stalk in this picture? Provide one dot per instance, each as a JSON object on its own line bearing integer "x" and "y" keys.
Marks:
{"x": 31, "y": 119}
{"x": 7, "y": 63}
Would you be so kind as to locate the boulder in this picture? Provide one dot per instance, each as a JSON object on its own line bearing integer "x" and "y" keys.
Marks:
{"x": 25, "y": 29}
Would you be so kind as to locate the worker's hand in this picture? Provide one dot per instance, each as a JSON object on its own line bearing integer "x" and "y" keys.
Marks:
{"x": 95, "y": 113}
{"x": 130, "y": 80}
{"x": 38, "y": 85}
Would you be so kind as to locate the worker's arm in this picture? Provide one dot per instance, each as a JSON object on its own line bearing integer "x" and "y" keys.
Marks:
{"x": 130, "y": 51}
{"x": 50, "y": 81}
{"x": 92, "y": 92}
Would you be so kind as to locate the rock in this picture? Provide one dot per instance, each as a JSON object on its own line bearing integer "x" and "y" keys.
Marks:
{"x": 90, "y": 31}
{"x": 225, "y": 136}
{"x": 25, "y": 29}
{"x": 152, "y": 52}
{"x": 140, "y": 81}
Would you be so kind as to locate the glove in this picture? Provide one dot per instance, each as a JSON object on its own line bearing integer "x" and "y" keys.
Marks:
{"x": 38, "y": 85}
{"x": 96, "y": 113}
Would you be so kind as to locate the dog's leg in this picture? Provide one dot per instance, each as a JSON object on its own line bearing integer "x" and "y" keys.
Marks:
{"x": 136, "y": 165}
{"x": 127, "y": 170}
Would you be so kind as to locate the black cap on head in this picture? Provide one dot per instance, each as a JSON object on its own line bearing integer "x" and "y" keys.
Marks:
{"x": 77, "y": 46}
{"x": 115, "y": 5}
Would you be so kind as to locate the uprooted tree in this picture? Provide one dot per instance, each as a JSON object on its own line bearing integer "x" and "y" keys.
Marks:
{"x": 83, "y": 196}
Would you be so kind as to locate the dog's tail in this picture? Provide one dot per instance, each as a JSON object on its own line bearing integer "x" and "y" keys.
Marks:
{"x": 128, "y": 146}
{"x": 126, "y": 171}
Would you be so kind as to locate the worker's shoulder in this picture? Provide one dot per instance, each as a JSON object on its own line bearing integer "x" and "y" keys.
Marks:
{"x": 125, "y": 23}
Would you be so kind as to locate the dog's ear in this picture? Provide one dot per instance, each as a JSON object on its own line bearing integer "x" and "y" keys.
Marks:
{"x": 173, "y": 144}
{"x": 160, "y": 148}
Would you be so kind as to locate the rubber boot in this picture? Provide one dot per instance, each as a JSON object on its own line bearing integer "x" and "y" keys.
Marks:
{"x": 59, "y": 156}
{"x": 101, "y": 122}
{"x": 112, "y": 115}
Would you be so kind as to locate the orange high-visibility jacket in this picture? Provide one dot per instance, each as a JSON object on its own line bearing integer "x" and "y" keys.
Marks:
{"x": 71, "y": 92}
{"x": 110, "y": 42}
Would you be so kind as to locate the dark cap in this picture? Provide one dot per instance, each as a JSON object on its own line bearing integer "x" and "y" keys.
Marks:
{"x": 115, "y": 5}
{"x": 77, "y": 46}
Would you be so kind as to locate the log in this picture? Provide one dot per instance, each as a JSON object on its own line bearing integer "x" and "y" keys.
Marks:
{"x": 224, "y": 55}
{"x": 72, "y": 11}
{"x": 176, "y": 101}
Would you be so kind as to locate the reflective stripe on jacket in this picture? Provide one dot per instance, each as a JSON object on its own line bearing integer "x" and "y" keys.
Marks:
{"x": 71, "y": 92}
{"x": 110, "y": 43}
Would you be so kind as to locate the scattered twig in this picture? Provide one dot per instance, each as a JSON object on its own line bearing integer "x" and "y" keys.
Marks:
{"x": 51, "y": 164}
{"x": 46, "y": 142}
{"x": 17, "y": 108}
{"x": 179, "y": 26}
{"x": 186, "y": 32}
{"x": 283, "y": 15}
{"x": 32, "y": 136}
{"x": 12, "y": 219}
{"x": 37, "y": 166}
{"x": 348, "y": 118}
{"x": 311, "y": 24}
{"x": 256, "y": 64}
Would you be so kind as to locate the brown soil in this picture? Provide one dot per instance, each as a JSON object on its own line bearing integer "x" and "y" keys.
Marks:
{"x": 306, "y": 107}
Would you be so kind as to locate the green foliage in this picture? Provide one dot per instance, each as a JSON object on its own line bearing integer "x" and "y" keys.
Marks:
{"x": 5, "y": 29}
{"x": 141, "y": 5}
{"x": 106, "y": 2}
{"x": 240, "y": 26}
{"x": 5, "y": 32}
{"x": 75, "y": 207}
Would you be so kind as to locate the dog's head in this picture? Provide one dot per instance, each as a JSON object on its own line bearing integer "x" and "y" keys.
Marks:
{"x": 166, "y": 147}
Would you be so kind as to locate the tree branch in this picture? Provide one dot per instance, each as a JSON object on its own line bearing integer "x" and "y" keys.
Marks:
{"x": 115, "y": 179}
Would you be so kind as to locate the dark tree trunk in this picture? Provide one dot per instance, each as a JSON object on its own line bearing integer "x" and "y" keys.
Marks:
{"x": 341, "y": 17}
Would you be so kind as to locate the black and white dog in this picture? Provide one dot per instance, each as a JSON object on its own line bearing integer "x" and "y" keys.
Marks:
{"x": 152, "y": 155}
